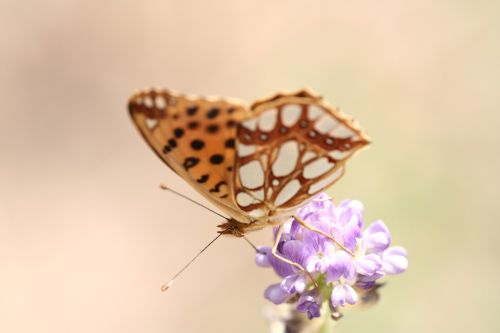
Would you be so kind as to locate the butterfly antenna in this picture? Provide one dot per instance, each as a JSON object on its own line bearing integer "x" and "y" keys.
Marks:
{"x": 171, "y": 281}
{"x": 251, "y": 244}
{"x": 166, "y": 188}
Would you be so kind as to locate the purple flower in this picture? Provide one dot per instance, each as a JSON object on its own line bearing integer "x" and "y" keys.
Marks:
{"x": 394, "y": 260}
{"x": 309, "y": 302}
{"x": 376, "y": 237}
{"x": 276, "y": 294}
{"x": 342, "y": 278}
{"x": 343, "y": 294}
{"x": 262, "y": 256}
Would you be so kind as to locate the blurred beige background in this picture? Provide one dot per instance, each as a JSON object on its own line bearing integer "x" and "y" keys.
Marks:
{"x": 86, "y": 236}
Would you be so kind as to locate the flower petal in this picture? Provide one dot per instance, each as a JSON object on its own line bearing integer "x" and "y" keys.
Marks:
{"x": 262, "y": 256}
{"x": 343, "y": 294}
{"x": 341, "y": 266}
{"x": 350, "y": 295}
{"x": 376, "y": 237}
{"x": 395, "y": 260}
{"x": 309, "y": 302}
{"x": 276, "y": 294}
{"x": 368, "y": 265}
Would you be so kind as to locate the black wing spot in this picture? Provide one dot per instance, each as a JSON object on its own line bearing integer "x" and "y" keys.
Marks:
{"x": 193, "y": 125}
{"x": 216, "y": 159}
{"x": 212, "y": 128}
{"x": 217, "y": 186}
{"x": 230, "y": 143}
{"x": 190, "y": 162}
{"x": 178, "y": 132}
{"x": 197, "y": 144}
{"x": 202, "y": 179}
{"x": 212, "y": 113}
{"x": 172, "y": 143}
{"x": 191, "y": 111}
{"x": 230, "y": 123}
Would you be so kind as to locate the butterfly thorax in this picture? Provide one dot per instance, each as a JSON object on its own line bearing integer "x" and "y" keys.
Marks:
{"x": 238, "y": 229}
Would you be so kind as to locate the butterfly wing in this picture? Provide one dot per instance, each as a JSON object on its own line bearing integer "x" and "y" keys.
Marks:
{"x": 290, "y": 147}
{"x": 195, "y": 137}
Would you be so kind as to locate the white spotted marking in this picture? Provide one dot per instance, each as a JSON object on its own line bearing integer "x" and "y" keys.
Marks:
{"x": 268, "y": 119}
{"x": 317, "y": 168}
{"x": 341, "y": 131}
{"x": 251, "y": 175}
{"x": 258, "y": 195}
{"x": 250, "y": 124}
{"x": 258, "y": 212}
{"x": 245, "y": 150}
{"x": 325, "y": 124}
{"x": 314, "y": 112}
{"x": 275, "y": 182}
{"x": 151, "y": 123}
{"x": 243, "y": 199}
{"x": 340, "y": 155}
{"x": 308, "y": 155}
{"x": 290, "y": 114}
{"x": 287, "y": 192}
{"x": 160, "y": 102}
{"x": 286, "y": 161}
{"x": 321, "y": 184}
{"x": 148, "y": 102}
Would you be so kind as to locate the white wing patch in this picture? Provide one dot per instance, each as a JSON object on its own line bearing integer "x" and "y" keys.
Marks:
{"x": 319, "y": 185}
{"x": 325, "y": 124}
{"x": 342, "y": 132}
{"x": 287, "y": 158}
{"x": 151, "y": 123}
{"x": 317, "y": 168}
{"x": 287, "y": 192}
{"x": 340, "y": 155}
{"x": 252, "y": 175}
{"x": 314, "y": 112}
{"x": 245, "y": 150}
{"x": 251, "y": 124}
{"x": 290, "y": 114}
{"x": 308, "y": 155}
{"x": 268, "y": 120}
{"x": 244, "y": 199}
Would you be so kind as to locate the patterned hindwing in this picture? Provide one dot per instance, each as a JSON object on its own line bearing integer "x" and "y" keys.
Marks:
{"x": 195, "y": 137}
{"x": 290, "y": 148}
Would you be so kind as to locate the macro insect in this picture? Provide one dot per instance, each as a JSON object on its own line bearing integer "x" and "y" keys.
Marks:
{"x": 258, "y": 163}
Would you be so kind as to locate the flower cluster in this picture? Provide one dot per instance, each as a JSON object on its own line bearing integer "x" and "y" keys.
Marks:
{"x": 341, "y": 278}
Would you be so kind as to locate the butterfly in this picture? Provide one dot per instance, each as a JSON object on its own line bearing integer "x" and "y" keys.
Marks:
{"x": 260, "y": 163}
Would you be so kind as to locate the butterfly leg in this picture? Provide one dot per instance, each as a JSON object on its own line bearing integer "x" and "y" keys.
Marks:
{"x": 274, "y": 252}
{"x": 321, "y": 232}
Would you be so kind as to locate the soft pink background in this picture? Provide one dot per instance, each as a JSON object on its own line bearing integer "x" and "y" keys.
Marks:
{"x": 86, "y": 236}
